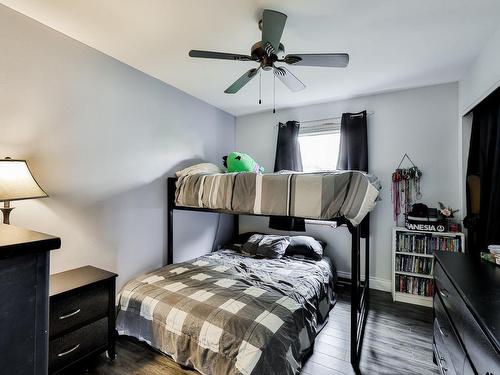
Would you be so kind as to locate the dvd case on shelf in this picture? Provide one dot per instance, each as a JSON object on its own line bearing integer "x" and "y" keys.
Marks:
{"x": 413, "y": 262}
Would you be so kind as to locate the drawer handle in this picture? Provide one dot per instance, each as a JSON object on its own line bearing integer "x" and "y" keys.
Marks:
{"x": 69, "y": 315}
{"x": 62, "y": 354}
{"x": 442, "y": 332}
{"x": 443, "y": 294}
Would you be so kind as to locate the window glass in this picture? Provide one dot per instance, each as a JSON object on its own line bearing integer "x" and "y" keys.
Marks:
{"x": 319, "y": 152}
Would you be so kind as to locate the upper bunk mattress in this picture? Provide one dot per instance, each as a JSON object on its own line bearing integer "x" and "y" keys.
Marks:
{"x": 320, "y": 196}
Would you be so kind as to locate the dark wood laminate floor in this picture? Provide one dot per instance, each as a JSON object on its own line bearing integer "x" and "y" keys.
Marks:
{"x": 398, "y": 340}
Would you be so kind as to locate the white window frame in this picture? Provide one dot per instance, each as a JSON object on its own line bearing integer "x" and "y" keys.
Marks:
{"x": 313, "y": 128}
{"x": 320, "y": 128}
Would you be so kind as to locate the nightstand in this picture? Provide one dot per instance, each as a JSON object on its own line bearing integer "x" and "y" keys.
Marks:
{"x": 81, "y": 317}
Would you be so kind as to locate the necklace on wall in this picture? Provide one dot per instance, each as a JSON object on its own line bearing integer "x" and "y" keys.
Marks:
{"x": 405, "y": 187}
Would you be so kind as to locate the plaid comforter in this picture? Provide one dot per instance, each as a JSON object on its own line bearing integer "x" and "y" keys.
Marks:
{"x": 225, "y": 313}
{"x": 321, "y": 195}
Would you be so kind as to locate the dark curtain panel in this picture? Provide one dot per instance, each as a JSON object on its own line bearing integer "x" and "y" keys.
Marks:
{"x": 288, "y": 158}
{"x": 288, "y": 148}
{"x": 353, "y": 153}
{"x": 483, "y": 176}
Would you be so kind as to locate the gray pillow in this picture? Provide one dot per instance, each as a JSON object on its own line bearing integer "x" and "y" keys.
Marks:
{"x": 238, "y": 241}
{"x": 266, "y": 246}
{"x": 306, "y": 246}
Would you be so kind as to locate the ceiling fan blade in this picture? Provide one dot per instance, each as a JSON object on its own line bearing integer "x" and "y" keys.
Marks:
{"x": 333, "y": 60}
{"x": 288, "y": 79}
{"x": 273, "y": 23}
{"x": 219, "y": 55}
{"x": 242, "y": 81}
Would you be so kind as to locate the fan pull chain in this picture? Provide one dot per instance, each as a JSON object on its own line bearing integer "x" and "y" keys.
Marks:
{"x": 260, "y": 87}
{"x": 274, "y": 93}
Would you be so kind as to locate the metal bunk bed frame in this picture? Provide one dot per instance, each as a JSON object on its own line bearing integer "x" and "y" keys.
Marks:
{"x": 359, "y": 288}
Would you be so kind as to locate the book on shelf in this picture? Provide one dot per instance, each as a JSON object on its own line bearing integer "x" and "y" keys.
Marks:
{"x": 413, "y": 262}
{"x": 408, "y": 263}
{"x": 414, "y": 285}
{"x": 426, "y": 243}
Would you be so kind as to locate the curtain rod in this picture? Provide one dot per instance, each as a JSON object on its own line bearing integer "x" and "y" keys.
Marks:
{"x": 370, "y": 113}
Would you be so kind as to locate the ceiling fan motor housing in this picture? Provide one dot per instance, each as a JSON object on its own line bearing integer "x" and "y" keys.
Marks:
{"x": 266, "y": 57}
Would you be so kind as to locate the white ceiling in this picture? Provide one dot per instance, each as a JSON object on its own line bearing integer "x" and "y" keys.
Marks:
{"x": 393, "y": 44}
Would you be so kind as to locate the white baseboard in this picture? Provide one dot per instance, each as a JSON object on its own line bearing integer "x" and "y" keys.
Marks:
{"x": 375, "y": 282}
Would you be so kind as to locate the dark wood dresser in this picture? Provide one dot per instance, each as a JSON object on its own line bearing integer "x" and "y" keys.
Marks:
{"x": 466, "y": 315}
{"x": 82, "y": 316}
{"x": 24, "y": 286}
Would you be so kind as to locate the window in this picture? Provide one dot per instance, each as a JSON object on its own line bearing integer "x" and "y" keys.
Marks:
{"x": 319, "y": 146}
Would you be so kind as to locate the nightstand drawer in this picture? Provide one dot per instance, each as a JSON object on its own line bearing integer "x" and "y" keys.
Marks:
{"x": 82, "y": 305}
{"x": 66, "y": 349}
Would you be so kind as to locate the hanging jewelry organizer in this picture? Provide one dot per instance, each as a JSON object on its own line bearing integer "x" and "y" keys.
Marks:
{"x": 405, "y": 187}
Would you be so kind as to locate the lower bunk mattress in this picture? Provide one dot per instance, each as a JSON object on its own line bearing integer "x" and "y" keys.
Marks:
{"x": 226, "y": 313}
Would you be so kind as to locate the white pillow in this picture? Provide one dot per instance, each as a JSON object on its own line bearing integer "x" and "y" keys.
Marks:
{"x": 199, "y": 168}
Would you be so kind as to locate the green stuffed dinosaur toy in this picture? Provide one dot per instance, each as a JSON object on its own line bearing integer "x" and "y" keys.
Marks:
{"x": 239, "y": 162}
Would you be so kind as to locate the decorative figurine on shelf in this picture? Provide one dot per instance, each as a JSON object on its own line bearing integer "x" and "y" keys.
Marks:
{"x": 446, "y": 212}
{"x": 405, "y": 187}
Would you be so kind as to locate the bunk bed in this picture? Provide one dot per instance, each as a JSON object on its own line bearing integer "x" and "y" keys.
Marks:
{"x": 350, "y": 185}
{"x": 193, "y": 326}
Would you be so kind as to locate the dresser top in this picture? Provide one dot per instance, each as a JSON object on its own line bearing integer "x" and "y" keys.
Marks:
{"x": 77, "y": 278}
{"x": 16, "y": 241}
{"x": 478, "y": 282}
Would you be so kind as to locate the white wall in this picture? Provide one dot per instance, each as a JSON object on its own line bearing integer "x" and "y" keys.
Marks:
{"x": 483, "y": 76}
{"x": 464, "y": 134}
{"x": 101, "y": 137}
{"x": 480, "y": 80}
{"x": 420, "y": 122}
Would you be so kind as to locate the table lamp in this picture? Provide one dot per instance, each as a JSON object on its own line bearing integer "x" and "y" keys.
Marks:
{"x": 16, "y": 183}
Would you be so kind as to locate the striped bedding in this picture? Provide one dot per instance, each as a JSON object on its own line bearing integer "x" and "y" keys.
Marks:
{"x": 321, "y": 195}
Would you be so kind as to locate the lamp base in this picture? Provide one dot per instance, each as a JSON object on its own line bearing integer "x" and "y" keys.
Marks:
{"x": 6, "y": 210}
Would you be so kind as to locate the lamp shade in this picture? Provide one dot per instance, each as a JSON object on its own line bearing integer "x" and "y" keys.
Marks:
{"x": 17, "y": 182}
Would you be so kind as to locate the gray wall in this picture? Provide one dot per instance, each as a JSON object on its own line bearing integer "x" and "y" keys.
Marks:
{"x": 480, "y": 80}
{"x": 482, "y": 77}
{"x": 421, "y": 122}
{"x": 101, "y": 137}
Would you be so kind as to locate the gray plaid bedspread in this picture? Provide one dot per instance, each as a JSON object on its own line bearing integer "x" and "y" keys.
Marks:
{"x": 321, "y": 195}
{"x": 224, "y": 313}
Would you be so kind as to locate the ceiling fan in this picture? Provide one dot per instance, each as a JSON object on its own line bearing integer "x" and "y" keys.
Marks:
{"x": 266, "y": 54}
